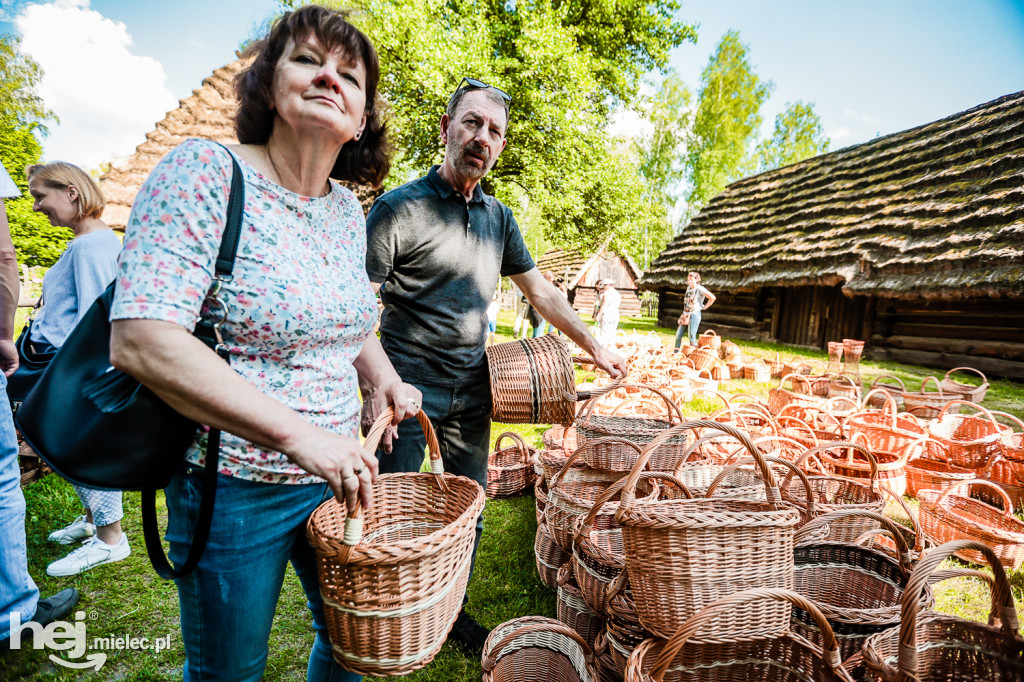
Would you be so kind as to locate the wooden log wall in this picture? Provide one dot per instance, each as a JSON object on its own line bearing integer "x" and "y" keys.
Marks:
{"x": 987, "y": 334}
{"x": 583, "y": 298}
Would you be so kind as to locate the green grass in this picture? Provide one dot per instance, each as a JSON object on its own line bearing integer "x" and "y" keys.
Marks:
{"x": 128, "y": 598}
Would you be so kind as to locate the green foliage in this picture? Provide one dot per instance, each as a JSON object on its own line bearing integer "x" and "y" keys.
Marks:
{"x": 22, "y": 119}
{"x": 660, "y": 152}
{"x": 566, "y": 64}
{"x": 725, "y": 123}
{"x": 798, "y": 135}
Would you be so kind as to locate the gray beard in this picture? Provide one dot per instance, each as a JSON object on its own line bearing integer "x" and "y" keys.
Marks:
{"x": 458, "y": 156}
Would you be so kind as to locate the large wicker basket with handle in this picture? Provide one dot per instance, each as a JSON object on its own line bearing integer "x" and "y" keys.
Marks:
{"x": 532, "y": 381}
{"x": 682, "y": 554}
{"x": 970, "y": 392}
{"x": 695, "y": 654}
{"x": 949, "y": 515}
{"x": 537, "y": 649}
{"x": 934, "y": 647}
{"x": 392, "y": 577}
{"x": 963, "y": 440}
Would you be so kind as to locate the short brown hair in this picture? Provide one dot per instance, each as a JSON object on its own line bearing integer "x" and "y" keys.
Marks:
{"x": 61, "y": 174}
{"x": 364, "y": 161}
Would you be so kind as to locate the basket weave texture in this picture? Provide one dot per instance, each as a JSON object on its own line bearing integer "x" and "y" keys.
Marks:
{"x": 536, "y": 649}
{"x": 949, "y": 516}
{"x": 975, "y": 394}
{"x": 548, "y": 556}
{"x": 682, "y": 554}
{"x": 967, "y": 441}
{"x": 532, "y": 381}
{"x": 510, "y": 470}
{"x": 393, "y": 577}
{"x": 928, "y": 474}
{"x": 933, "y": 646}
{"x": 573, "y": 610}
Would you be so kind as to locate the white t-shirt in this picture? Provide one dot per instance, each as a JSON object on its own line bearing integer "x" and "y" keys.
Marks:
{"x": 492, "y": 311}
{"x": 8, "y": 190}
{"x": 610, "y": 301}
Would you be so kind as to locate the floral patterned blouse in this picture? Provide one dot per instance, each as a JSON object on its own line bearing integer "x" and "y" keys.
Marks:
{"x": 299, "y": 306}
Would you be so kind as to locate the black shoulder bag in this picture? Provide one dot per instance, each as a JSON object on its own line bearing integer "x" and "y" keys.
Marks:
{"x": 101, "y": 428}
{"x": 31, "y": 365}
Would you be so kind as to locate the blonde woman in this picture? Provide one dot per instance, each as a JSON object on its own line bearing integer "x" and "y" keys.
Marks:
{"x": 70, "y": 198}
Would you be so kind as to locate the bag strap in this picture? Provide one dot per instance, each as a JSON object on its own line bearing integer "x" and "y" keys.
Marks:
{"x": 201, "y": 533}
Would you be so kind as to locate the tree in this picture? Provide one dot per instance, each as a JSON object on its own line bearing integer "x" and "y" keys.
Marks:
{"x": 23, "y": 118}
{"x": 798, "y": 135}
{"x": 725, "y": 123}
{"x": 566, "y": 65}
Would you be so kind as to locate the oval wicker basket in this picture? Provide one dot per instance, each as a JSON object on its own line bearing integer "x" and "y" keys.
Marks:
{"x": 709, "y": 339}
{"x": 970, "y": 392}
{"x": 877, "y": 400}
{"x": 573, "y": 610}
{"x": 934, "y": 646}
{"x": 963, "y": 440}
{"x": 927, "y": 404}
{"x": 678, "y": 554}
{"x": 393, "y": 577}
{"x": 949, "y": 516}
{"x": 689, "y": 656}
{"x": 929, "y": 474}
{"x": 548, "y": 556}
{"x": 510, "y": 470}
{"x": 539, "y": 650}
{"x": 533, "y": 382}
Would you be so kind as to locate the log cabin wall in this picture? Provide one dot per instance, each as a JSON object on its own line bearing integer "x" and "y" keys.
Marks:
{"x": 745, "y": 315}
{"x": 987, "y": 334}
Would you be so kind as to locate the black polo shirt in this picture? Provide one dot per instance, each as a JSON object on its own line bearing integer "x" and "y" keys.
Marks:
{"x": 439, "y": 259}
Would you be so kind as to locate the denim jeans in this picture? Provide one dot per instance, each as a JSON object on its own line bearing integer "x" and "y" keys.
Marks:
{"x": 227, "y": 604}
{"x": 694, "y": 325}
{"x": 18, "y": 591}
{"x": 461, "y": 418}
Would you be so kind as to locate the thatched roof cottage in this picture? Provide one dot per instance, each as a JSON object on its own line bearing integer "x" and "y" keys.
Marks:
{"x": 913, "y": 242}
{"x": 581, "y": 272}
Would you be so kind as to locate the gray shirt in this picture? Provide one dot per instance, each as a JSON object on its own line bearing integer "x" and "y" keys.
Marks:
{"x": 74, "y": 282}
{"x": 438, "y": 259}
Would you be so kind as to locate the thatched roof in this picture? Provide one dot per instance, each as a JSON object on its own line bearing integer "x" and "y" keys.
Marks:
{"x": 572, "y": 265}
{"x": 209, "y": 113}
{"x": 936, "y": 211}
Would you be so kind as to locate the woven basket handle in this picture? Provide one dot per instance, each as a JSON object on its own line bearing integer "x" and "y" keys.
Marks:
{"x": 589, "y": 445}
{"x": 1002, "y": 614}
{"x": 949, "y": 573}
{"x": 594, "y": 392}
{"x": 852, "y": 447}
{"x": 966, "y": 369}
{"x": 879, "y": 383}
{"x": 524, "y": 449}
{"x": 807, "y": 532}
{"x": 768, "y": 476}
{"x": 977, "y": 407}
{"x": 674, "y": 413}
{"x": 774, "y": 460}
{"x": 1007, "y": 415}
{"x": 933, "y": 380}
{"x": 1007, "y": 503}
{"x": 799, "y": 422}
{"x": 693, "y": 625}
{"x": 920, "y": 539}
{"x": 888, "y": 404}
{"x": 491, "y": 655}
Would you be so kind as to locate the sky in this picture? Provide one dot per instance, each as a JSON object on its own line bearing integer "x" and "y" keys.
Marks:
{"x": 113, "y": 68}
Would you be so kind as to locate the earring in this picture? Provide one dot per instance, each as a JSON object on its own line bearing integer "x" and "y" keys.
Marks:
{"x": 357, "y": 135}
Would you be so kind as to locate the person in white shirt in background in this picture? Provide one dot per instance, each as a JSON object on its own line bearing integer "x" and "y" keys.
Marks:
{"x": 492, "y": 318}
{"x": 607, "y": 317}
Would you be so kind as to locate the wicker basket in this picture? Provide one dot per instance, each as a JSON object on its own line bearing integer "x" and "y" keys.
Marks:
{"x": 858, "y": 589}
{"x": 757, "y": 372}
{"x": 933, "y": 647}
{"x": 928, "y": 474}
{"x": 877, "y": 400}
{"x": 510, "y": 470}
{"x": 928, "y": 404}
{"x": 1012, "y": 445}
{"x": 780, "y": 396}
{"x": 949, "y": 516}
{"x": 393, "y": 576}
{"x": 682, "y": 554}
{"x": 844, "y": 386}
{"x": 857, "y": 462}
{"x": 540, "y": 496}
{"x": 967, "y": 441}
{"x": 548, "y": 556}
{"x": 573, "y": 610}
{"x": 709, "y": 339}
{"x": 884, "y": 430}
{"x": 623, "y": 629}
{"x": 974, "y": 394}
{"x": 536, "y": 649}
{"x": 533, "y": 382}
{"x": 704, "y": 358}
{"x": 560, "y": 437}
{"x": 735, "y": 658}
{"x": 638, "y": 430}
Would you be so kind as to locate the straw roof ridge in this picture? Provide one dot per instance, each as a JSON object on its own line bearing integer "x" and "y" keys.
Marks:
{"x": 931, "y": 209}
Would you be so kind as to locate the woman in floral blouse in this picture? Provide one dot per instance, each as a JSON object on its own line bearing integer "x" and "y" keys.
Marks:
{"x": 299, "y": 321}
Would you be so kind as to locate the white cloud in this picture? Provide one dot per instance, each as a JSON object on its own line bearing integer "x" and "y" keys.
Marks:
{"x": 106, "y": 97}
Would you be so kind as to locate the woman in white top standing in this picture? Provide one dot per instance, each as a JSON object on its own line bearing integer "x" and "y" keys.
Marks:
{"x": 696, "y": 300}
{"x": 70, "y": 198}
{"x": 608, "y": 314}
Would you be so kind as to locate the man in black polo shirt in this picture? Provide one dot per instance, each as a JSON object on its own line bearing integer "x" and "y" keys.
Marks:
{"x": 436, "y": 247}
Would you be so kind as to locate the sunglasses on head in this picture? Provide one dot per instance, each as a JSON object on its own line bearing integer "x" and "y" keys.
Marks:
{"x": 476, "y": 84}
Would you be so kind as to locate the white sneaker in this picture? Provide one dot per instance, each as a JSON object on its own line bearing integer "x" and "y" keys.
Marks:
{"x": 93, "y": 552}
{"x": 79, "y": 530}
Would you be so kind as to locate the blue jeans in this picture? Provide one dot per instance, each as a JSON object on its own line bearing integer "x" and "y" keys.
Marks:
{"x": 228, "y": 603}
{"x": 461, "y": 418}
{"x": 18, "y": 592}
{"x": 691, "y": 329}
